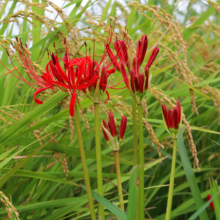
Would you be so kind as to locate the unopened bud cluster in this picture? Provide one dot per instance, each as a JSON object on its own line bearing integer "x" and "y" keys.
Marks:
{"x": 110, "y": 131}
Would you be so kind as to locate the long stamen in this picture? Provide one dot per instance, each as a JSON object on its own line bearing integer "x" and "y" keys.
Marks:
{"x": 55, "y": 48}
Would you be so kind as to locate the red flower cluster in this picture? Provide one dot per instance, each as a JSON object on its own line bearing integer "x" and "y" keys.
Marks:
{"x": 110, "y": 132}
{"x": 78, "y": 74}
{"x": 138, "y": 81}
{"x": 211, "y": 204}
{"x": 172, "y": 117}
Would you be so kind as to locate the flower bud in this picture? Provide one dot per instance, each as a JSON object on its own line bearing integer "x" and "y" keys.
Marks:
{"x": 111, "y": 124}
{"x": 142, "y": 48}
{"x": 172, "y": 118}
{"x": 103, "y": 80}
{"x": 146, "y": 78}
{"x": 106, "y": 126}
{"x": 123, "y": 127}
{"x": 211, "y": 204}
{"x": 152, "y": 57}
{"x": 121, "y": 50}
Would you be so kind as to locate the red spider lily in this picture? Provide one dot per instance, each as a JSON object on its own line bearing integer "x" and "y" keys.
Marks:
{"x": 92, "y": 69}
{"x": 211, "y": 204}
{"x": 122, "y": 54}
{"x": 75, "y": 74}
{"x": 68, "y": 80}
{"x": 138, "y": 82}
{"x": 110, "y": 132}
{"x": 172, "y": 117}
{"x": 101, "y": 71}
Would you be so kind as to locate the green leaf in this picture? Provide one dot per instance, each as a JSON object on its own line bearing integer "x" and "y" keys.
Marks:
{"x": 6, "y": 177}
{"x": 31, "y": 116}
{"x": 190, "y": 175}
{"x": 158, "y": 71}
{"x": 42, "y": 176}
{"x": 132, "y": 196}
{"x": 111, "y": 207}
{"x": 73, "y": 2}
{"x": 204, "y": 16}
{"x": 202, "y": 208}
{"x": 131, "y": 19}
{"x": 105, "y": 10}
{"x": 214, "y": 189}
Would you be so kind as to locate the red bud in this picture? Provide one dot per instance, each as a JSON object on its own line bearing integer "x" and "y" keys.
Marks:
{"x": 211, "y": 204}
{"x": 146, "y": 78}
{"x": 172, "y": 117}
{"x": 123, "y": 126}
{"x": 103, "y": 80}
{"x": 152, "y": 57}
{"x": 121, "y": 50}
{"x": 111, "y": 124}
{"x": 106, "y": 126}
{"x": 142, "y": 48}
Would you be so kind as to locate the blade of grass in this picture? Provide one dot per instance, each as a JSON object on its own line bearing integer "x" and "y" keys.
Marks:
{"x": 190, "y": 175}
{"x": 202, "y": 208}
{"x": 133, "y": 193}
{"x": 31, "y": 116}
{"x": 111, "y": 207}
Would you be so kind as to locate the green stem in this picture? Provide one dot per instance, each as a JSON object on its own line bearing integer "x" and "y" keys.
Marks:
{"x": 135, "y": 139}
{"x": 172, "y": 175}
{"x": 85, "y": 169}
{"x": 99, "y": 159}
{"x": 135, "y": 145}
{"x": 120, "y": 194}
{"x": 141, "y": 161}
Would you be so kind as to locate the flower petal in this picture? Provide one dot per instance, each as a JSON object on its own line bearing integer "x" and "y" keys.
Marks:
{"x": 37, "y": 92}
{"x": 124, "y": 74}
{"x": 152, "y": 57}
{"x": 72, "y": 103}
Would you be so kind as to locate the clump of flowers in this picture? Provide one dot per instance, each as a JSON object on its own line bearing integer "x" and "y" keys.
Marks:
{"x": 137, "y": 82}
{"x": 78, "y": 74}
{"x": 99, "y": 71}
{"x": 110, "y": 131}
{"x": 172, "y": 118}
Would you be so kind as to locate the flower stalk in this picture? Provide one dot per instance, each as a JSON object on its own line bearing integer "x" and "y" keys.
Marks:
{"x": 172, "y": 122}
{"x": 85, "y": 169}
{"x": 135, "y": 139}
{"x": 120, "y": 194}
{"x": 98, "y": 159}
{"x": 141, "y": 162}
{"x": 172, "y": 176}
{"x": 110, "y": 134}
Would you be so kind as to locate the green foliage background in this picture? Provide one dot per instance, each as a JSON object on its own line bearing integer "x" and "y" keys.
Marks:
{"x": 31, "y": 178}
